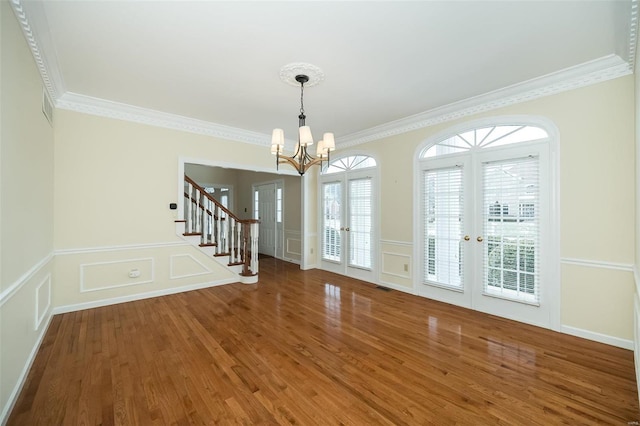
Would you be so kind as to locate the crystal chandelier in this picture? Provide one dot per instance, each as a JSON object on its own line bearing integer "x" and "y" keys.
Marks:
{"x": 301, "y": 160}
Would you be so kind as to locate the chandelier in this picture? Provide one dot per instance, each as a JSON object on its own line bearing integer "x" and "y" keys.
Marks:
{"x": 302, "y": 160}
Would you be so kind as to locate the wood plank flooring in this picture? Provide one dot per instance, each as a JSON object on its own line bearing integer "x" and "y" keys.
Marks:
{"x": 314, "y": 348}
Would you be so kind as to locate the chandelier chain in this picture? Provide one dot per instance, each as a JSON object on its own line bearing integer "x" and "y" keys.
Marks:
{"x": 302, "y": 98}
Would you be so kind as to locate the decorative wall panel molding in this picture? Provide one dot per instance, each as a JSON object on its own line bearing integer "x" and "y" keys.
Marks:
{"x": 115, "y": 274}
{"x": 43, "y": 301}
{"x": 17, "y": 285}
{"x": 294, "y": 246}
{"x": 391, "y": 262}
{"x": 179, "y": 264}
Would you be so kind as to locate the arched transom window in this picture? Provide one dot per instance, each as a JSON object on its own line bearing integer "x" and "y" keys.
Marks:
{"x": 353, "y": 162}
{"x": 485, "y": 137}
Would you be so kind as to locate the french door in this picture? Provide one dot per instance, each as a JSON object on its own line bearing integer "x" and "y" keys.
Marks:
{"x": 347, "y": 240}
{"x": 485, "y": 223}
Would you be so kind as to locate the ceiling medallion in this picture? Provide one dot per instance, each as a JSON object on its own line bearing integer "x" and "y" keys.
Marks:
{"x": 289, "y": 72}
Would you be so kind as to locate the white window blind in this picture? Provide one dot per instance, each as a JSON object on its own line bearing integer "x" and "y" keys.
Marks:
{"x": 443, "y": 227}
{"x": 511, "y": 194}
{"x": 331, "y": 220}
{"x": 360, "y": 223}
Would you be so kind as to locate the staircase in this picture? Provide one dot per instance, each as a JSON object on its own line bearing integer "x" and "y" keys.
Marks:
{"x": 218, "y": 232}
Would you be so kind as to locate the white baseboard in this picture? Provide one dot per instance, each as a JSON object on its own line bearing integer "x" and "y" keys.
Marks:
{"x": 598, "y": 337}
{"x": 401, "y": 288}
{"x": 13, "y": 397}
{"x": 139, "y": 296}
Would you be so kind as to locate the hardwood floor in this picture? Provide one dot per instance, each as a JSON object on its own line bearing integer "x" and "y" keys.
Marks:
{"x": 314, "y": 348}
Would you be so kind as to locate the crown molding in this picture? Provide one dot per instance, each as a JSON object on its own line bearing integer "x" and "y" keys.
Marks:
{"x": 120, "y": 111}
{"x": 30, "y": 15}
{"x": 599, "y": 70}
{"x": 633, "y": 34}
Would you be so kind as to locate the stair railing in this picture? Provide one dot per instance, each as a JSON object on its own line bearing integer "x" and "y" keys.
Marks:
{"x": 218, "y": 227}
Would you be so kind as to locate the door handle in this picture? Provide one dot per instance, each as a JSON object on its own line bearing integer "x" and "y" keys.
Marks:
{"x": 479, "y": 239}
{"x": 342, "y": 228}
{"x": 346, "y": 229}
{"x": 467, "y": 238}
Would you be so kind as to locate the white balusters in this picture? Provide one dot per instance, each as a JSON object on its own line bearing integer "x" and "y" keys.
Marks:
{"x": 216, "y": 225}
{"x": 189, "y": 218}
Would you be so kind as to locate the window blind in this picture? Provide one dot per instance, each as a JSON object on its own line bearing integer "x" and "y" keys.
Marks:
{"x": 511, "y": 231}
{"x": 360, "y": 223}
{"x": 331, "y": 220}
{"x": 443, "y": 227}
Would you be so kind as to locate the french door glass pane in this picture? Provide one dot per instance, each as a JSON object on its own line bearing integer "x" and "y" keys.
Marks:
{"x": 511, "y": 228}
{"x": 443, "y": 227}
{"x": 332, "y": 213}
{"x": 360, "y": 223}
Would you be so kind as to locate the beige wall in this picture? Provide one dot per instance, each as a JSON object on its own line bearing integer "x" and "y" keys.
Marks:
{"x": 26, "y": 216}
{"x": 597, "y": 193}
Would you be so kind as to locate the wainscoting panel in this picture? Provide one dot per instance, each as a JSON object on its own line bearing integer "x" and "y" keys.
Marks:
{"x": 293, "y": 245}
{"x": 597, "y": 302}
{"x": 396, "y": 264}
{"x": 114, "y": 274}
{"x": 43, "y": 301}
{"x": 185, "y": 265}
{"x": 101, "y": 276}
{"x": 26, "y": 308}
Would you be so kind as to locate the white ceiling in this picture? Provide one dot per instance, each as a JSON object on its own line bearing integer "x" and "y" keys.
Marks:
{"x": 219, "y": 62}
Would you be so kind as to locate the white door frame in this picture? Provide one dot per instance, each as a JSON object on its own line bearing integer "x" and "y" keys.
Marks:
{"x": 343, "y": 267}
{"x": 552, "y": 288}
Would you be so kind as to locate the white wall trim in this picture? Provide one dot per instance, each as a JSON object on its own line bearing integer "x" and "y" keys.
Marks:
{"x": 195, "y": 274}
{"x": 596, "y": 71}
{"x": 397, "y": 243}
{"x": 394, "y": 286}
{"x": 393, "y": 274}
{"x": 592, "y": 72}
{"x": 636, "y": 335}
{"x": 598, "y": 337}
{"x": 122, "y": 247}
{"x": 39, "y": 318}
{"x": 633, "y": 34}
{"x": 291, "y": 251}
{"x": 45, "y": 58}
{"x": 139, "y": 296}
{"x": 120, "y": 111}
{"x": 597, "y": 264}
{"x": 13, "y": 397}
{"x": 10, "y": 291}
{"x": 127, "y": 284}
